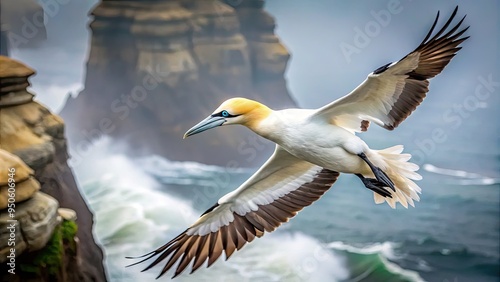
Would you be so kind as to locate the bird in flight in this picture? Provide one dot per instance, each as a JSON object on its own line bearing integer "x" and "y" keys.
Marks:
{"x": 312, "y": 147}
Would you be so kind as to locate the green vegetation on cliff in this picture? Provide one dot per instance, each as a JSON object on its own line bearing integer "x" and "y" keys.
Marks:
{"x": 49, "y": 260}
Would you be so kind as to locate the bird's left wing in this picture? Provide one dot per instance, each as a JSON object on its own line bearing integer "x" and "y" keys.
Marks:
{"x": 392, "y": 92}
{"x": 274, "y": 194}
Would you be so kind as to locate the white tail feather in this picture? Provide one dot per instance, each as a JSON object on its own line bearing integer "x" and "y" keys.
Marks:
{"x": 401, "y": 172}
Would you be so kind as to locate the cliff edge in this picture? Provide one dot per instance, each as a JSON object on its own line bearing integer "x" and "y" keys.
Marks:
{"x": 44, "y": 181}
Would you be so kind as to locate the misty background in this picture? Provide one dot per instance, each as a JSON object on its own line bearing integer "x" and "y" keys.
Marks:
{"x": 454, "y": 135}
{"x": 320, "y": 70}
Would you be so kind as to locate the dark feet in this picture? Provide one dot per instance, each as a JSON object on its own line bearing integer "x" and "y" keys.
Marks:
{"x": 375, "y": 185}
{"x": 379, "y": 174}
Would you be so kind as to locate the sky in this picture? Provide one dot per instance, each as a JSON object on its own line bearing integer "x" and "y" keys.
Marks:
{"x": 334, "y": 45}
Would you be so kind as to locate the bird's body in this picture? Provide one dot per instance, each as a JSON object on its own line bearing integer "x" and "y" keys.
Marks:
{"x": 312, "y": 148}
{"x": 318, "y": 142}
{"x": 308, "y": 135}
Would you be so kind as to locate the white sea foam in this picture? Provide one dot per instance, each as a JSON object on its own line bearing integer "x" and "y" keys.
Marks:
{"x": 385, "y": 248}
{"x": 465, "y": 177}
{"x": 450, "y": 172}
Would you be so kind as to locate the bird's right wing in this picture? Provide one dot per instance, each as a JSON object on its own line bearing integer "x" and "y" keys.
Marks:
{"x": 392, "y": 92}
{"x": 274, "y": 194}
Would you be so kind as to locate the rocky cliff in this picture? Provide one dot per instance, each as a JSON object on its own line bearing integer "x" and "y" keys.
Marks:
{"x": 156, "y": 68}
{"x": 31, "y": 132}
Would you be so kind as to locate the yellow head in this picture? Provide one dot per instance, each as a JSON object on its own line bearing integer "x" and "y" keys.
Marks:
{"x": 233, "y": 111}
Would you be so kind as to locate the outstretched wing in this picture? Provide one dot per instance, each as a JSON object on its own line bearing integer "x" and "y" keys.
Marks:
{"x": 274, "y": 194}
{"x": 392, "y": 92}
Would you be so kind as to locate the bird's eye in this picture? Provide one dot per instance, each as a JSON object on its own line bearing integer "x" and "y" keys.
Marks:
{"x": 224, "y": 113}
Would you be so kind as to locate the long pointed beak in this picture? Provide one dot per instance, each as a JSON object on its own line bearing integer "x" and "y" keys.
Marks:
{"x": 209, "y": 122}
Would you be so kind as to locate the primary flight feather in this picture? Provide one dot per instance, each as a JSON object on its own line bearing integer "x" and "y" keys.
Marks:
{"x": 312, "y": 148}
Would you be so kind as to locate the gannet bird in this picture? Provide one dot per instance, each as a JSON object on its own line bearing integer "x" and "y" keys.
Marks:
{"x": 312, "y": 148}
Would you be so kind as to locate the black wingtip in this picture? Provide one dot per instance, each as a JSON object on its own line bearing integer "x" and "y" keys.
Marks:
{"x": 146, "y": 269}
{"x": 132, "y": 264}
{"x": 135, "y": 263}
{"x": 429, "y": 37}
{"x": 152, "y": 254}
{"x": 445, "y": 26}
{"x": 162, "y": 273}
{"x": 138, "y": 257}
{"x": 430, "y": 30}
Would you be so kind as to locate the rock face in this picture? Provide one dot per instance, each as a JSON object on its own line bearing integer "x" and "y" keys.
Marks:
{"x": 158, "y": 67}
{"x": 36, "y": 136}
{"x": 24, "y": 190}
{"x": 36, "y": 221}
{"x": 20, "y": 171}
{"x": 13, "y": 83}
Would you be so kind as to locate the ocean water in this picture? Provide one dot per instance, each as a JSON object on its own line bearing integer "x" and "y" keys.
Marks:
{"x": 451, "y": 235}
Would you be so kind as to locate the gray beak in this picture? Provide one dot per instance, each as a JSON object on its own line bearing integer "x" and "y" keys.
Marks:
{"x": 209, "y": 122}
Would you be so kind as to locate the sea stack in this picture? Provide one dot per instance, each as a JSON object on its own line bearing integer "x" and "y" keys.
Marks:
{"x": 155, "y": 68}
